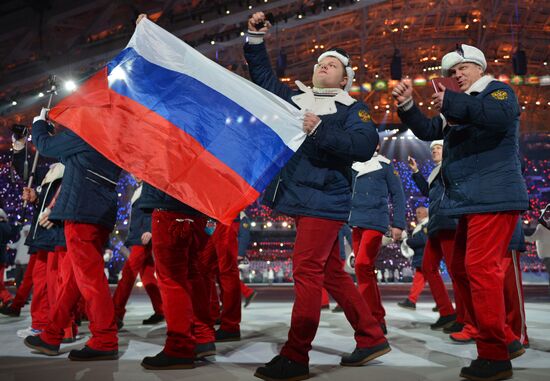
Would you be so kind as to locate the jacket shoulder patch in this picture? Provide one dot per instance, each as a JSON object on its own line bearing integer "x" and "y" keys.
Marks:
{"x": 500, "y": 95}
{"x": 364, "y": 115}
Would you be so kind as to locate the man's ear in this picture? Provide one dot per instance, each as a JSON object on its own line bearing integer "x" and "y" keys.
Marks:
{"x": 344, "y": 81}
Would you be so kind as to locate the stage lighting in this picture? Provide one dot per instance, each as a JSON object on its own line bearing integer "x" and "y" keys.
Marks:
{"x": 14, "y": 103}
{"x": 40, "y": 94}
{"x": 70, "y": 85}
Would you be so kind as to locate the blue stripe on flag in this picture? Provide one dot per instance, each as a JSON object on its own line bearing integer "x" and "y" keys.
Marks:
{"x": 225, "y": 129}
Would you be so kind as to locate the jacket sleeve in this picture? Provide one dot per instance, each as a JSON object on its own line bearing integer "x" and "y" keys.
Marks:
{"x": 397, "y": 196}
{"x": 261, "y": 71}
{"x": 421, "y": 183}
{"x": 493, "y": 111}
{"x": 423, "y": 127}
{"x": 355, "y": 140}
{"x": 58, "y": 146}
{"x": 417, "y": 241}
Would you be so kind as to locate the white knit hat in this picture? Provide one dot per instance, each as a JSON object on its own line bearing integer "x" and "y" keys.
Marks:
{"x": 436, "y": 143}
{"x": 463, "y": 53}
{"x": 343, "y": 57}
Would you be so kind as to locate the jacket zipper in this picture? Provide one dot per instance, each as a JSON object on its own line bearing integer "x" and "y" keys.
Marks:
{"x": 276, "y": 190}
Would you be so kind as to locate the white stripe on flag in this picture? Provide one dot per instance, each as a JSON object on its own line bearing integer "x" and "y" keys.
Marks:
{"x": 160, "y": 47}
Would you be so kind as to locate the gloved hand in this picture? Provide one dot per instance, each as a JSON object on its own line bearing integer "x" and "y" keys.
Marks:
{"x": 43, "y": 115}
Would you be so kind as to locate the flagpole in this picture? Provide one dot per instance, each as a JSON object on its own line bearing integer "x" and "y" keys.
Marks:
{"x": 52, "y": 91}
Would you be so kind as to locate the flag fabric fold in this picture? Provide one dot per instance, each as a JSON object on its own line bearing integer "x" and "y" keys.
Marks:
{"x": 184, "y": 124}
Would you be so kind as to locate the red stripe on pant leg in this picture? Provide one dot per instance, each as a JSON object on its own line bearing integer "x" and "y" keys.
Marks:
{"x": 513, "y": 295}
{"x": 245, "y": 290}
{"x": 85, "y": 244}
{"x": 171, "y": 240}
{"x": 67, "y": 298}
{"x": 433, "y": 253}
{"x": 25, "y": 288}
{"x": 315, "y": 238}
{"x": 147, "y": 275}
{"x": 227, "y": 251}
{"x": 340, "y": 285}
{"x": 417, "y": 285}
{"x": 488, "y": 236}
{"x": 130, "y": 270}
{"x": 39, "y": 304}
{"x": 366, "y": 245}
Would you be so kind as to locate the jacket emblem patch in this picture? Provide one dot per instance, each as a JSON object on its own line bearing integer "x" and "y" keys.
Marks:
{"x": 364, "y": 115}
{"x": 500, "y": 95}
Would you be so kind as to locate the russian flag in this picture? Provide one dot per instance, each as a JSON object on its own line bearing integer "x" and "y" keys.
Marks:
{"x": 164, "y": 112}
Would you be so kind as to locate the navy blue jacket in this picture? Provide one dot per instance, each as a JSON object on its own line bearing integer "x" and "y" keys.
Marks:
{"x": 369, "y": 206}
{"x": 317, "y": 179}
{"x": 7, "y": 233}
{"x": 140, "y": 222}
{"x": 481, "y": 167}
{"x": 88, "y": 193}
{"x": 39, "y": 237}
{"x": 153, "y": 198}
{"x": 434, "y": 192}
{"x": 417, "y": 242}
{"x": 517, "y": 242}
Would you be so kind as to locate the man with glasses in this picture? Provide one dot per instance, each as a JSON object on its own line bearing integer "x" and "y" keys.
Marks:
{"x": 484, "y": 188}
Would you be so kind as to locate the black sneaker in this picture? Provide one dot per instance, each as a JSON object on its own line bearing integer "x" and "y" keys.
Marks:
{"x": 224, "y": 336}
{"x": 153, "y": 319}
{"x": 481, "y": 369}
{"x": 8, "y": 310}
{"x": 361, "y": 356}
{"x": 407, "y": 304}
{"x": 456, "y": 327}
{"x": 36, "y": 343}
{"x": 384, "y": 328}
{"x": 249, "y": 299}
{"x": 162, "y": 361}
{"x": 282, "y": 368}
{"x": 443, "y": 322}
{"x": 337, "y": 309}
{"x": 205, "y": 349}
{"x": 89, "y": 354}
{"x": 515, "y": 349}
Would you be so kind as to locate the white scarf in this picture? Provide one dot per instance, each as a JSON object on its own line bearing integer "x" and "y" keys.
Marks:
{"x": 434, "y": 173}
{"x": 370, "y": 165}
{"x": 137, "y": 194}
{"x": 56, "y": 172}
{"x": 321, "y": 101}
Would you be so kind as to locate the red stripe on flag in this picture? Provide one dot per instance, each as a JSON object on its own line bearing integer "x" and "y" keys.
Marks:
{"x": 148, "y": 146}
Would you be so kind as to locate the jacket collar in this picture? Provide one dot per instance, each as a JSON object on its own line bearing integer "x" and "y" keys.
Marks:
{"x": 480, "y": 85}
{"x": 342, "y": 96}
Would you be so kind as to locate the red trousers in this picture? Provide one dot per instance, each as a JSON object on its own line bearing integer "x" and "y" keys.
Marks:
{"x": 325, "y": 299}
{"x": 317, "y": 264}
{"x": 5, "y": 295}
{"x": 245, "y": 290}
{"x": 185, "y": 292}
{"x": 366, "y": 244}
{"x": 481, "y": 243}
{"x": 25, "y": 288}
{"x": 82, "y": 274}
{"x": 140, "y": 261}
{"x": 40, "y": 305}
{"x": 417, "y": 285}
{"x": 440, "y": 246}
{"x": 513, "y": 296}
{"x": 220, "y": 255}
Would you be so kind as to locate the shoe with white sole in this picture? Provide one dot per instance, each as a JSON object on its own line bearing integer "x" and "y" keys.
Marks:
{"x": 22, "y": 333}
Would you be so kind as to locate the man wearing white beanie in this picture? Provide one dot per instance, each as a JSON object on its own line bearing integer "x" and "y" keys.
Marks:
{"x": 484, "y": 188}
